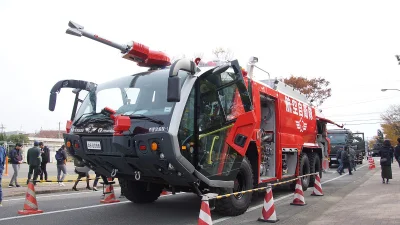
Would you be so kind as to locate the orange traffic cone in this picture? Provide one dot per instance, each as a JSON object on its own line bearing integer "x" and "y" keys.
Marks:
{"x": 165, "y": 192}
{"x": 298, "y": 197}
{"x": 268, "y": 213}
{"x": 109, "y": 195}
{"x": 205, "y": 214}
{"x": 30, "y": 205}
{"x": 317, "y": 186}
{"x": 371, "y": 163}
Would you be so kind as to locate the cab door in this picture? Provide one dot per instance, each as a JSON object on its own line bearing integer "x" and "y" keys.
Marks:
{"x": 225, "y": 121}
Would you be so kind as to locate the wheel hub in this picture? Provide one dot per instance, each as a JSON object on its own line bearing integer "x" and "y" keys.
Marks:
{"x": 239, "y": 186}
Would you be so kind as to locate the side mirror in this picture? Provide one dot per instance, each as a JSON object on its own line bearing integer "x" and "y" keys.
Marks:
{"x": 174, "y": 89}
{"x": 52, "y": 101}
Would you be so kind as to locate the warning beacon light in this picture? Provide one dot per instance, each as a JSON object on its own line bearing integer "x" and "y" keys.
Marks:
{"x": 139, "y": 53}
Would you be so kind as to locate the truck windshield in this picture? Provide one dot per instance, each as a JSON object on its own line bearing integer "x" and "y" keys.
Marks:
{"x": 141, "y": 94}
{"x": 337, "y": 138}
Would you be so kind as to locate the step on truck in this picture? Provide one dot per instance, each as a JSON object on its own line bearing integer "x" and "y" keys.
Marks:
{"x": 193, "y": 126}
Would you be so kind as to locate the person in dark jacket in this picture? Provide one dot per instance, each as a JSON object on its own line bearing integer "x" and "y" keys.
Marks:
{"x": 34, "y": 160}
{"x": 15, "y": 160}
{"x": 45, "y": 153}
{"x": 346, "y": 160}
{"x": 386, "y": 164}
{"x": 2, "y": 161}
{"x": 339, "y": 159}
{"x": 397, "y": 151}
{"x": 61, "y": 158}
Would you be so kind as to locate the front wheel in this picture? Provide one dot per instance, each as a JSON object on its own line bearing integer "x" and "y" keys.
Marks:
{"x": 140, "y": 192}
{"x": 237, "y": 204}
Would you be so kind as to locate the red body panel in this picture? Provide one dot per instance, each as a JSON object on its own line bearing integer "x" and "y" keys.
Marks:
{"x": 296, "y": 124}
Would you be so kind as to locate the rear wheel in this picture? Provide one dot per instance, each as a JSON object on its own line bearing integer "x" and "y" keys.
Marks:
{"x": 140, "y": 192}
{"x": 304, "y": 168}
{"x": 315, "y": 167}
{"x": 236, "y": 205}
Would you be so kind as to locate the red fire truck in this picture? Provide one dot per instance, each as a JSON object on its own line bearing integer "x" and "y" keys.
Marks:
{"x": 193, "y": 126}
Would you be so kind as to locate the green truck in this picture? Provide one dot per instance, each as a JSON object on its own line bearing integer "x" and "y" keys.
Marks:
{"x": 340, "y": 137}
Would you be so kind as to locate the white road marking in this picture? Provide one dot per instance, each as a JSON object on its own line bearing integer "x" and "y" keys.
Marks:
{"x": 123, "y": 202}
{"x": 280, "y": 198}
{"x": 59, "y": 195}
{"x": 74, "y": 209}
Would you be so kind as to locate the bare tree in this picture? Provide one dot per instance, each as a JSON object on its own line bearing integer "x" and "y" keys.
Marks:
{"x": 224, "y": 54}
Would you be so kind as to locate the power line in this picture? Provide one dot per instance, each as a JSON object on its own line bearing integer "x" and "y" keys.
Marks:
{"x": 356, "y": 103}
{"x": 355, "y": 114}
{"x": 344, "y": 121}
{"x": 349, "y": 124}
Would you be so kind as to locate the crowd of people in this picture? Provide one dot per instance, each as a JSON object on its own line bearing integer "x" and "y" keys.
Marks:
{"x": 37, "y": 159}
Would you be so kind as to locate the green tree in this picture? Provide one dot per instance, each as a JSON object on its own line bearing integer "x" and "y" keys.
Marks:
{"x": 18, "y": 138}
{"x": 391, "y": 119}
{"x": 316, "y": 89}
{"x": 3, "y": 137}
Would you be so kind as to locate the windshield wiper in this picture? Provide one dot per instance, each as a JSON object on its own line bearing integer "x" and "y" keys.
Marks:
{"x": 78, "y": 122}
{"x": 146, "y": 118}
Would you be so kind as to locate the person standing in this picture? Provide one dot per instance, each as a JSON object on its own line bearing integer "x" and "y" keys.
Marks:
{"x": 61, "y": 158}
{"x": 34, "y": 160}
{"x": 397, "y": 151}
{"x": 82, "y": 171}
{"x": 339, "y": 159}
{"x": 353, "y": 156}
{"x": 386, "y": 165}
{"x": 2, "y": 162}
{"x": 15, "y": 160}
{"x": 45, "y": 153}
{"x": 346, "y": 160}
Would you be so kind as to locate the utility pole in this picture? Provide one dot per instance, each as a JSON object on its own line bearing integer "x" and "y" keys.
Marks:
{"x": 59, "y": 129}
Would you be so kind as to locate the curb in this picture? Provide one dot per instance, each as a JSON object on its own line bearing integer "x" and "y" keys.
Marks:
{"x": 47, "y": 191}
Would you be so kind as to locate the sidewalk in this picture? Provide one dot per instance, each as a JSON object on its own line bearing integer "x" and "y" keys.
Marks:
{"x": 370, "y": 203}
{"x": 45, "y": 188}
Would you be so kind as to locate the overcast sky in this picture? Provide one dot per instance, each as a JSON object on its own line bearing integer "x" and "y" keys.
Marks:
{"x": 350, "y": 43}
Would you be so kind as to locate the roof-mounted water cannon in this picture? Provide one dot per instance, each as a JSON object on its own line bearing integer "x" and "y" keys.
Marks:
{"x": 139, "y": 53}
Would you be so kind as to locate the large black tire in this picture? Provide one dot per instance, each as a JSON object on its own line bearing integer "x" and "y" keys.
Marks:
{"x": 237, "y": 205}
{"x": 315, "y": 166}
{"x": 136, "y": 191}
{"x": 304, "y": 168}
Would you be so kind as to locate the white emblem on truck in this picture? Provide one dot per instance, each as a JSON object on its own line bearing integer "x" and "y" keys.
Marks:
{"x": 301, "y": 125}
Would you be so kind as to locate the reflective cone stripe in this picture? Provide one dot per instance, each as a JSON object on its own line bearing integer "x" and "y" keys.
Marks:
{"x": 317, "y": 187}
{"x": 205, "y": 214}
{"x": 298, "y": 197}
{"x": 268, "y": 213}
{"x": 30, "y": 205}
{"x": 110, "y": 195}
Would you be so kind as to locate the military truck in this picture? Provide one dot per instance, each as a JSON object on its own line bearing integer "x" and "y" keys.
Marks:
{"x": 340, "y": 137}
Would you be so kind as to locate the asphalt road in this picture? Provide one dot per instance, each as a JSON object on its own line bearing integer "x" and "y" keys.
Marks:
{"x": 85, "y": 208}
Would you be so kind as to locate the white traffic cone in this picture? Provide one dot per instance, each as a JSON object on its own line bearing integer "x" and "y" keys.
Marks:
{"x": 298, "y": 197}
{"x": 317, "y": 187}
{"x": 205, "y": 214}
{"x": 268, "y": 213}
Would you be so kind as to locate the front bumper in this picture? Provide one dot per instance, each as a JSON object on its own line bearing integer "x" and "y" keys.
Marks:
{"x": 123, "y": 153}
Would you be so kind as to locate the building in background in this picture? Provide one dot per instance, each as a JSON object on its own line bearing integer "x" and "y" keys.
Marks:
{"x": 51, "y": 138}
